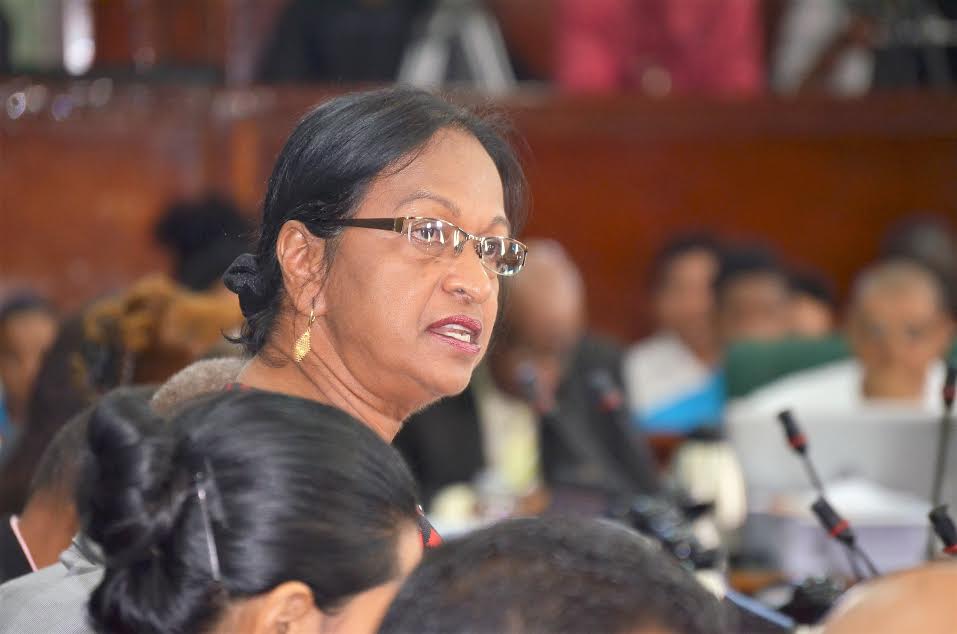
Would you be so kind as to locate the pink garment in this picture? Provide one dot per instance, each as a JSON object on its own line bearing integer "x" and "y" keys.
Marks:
{"x": 699, "y": 47}
{"x": 15, "y": 526}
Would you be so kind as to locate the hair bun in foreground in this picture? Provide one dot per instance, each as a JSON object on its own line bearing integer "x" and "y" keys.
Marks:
{"x": 130, "y": 494}
{"x": 244, "y": 278}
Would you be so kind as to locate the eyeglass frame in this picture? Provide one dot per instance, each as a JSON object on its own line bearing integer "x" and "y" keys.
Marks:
{"x": 398, "y": 225}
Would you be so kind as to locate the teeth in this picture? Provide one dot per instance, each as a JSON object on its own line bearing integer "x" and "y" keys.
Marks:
{"x": 466, "y": 337}
{"x": 456, "y": 331}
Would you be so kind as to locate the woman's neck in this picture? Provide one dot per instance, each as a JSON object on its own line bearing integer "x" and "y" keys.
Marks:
{"x": 322, "y": 377}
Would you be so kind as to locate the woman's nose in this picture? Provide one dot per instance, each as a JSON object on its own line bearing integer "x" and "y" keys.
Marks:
{"x": 468, "y": 277}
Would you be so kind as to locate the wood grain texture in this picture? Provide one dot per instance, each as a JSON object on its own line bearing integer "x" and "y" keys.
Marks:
{"x": 611, "y": 178}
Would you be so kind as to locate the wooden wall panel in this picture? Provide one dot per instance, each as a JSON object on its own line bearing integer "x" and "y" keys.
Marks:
{"x": 820, "y": 181}
{"x": 78, "y": 197}
{"x": 611, "y": 178}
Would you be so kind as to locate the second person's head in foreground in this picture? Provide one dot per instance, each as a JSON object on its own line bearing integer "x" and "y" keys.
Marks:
{"x": 552, "y": 575}
{"x": 387, "y": 226}
{"x": 248, "y": 512}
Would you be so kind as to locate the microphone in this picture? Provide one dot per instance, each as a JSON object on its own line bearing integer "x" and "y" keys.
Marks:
{"x": 628, "y": 448}
{"x": 609, "y": 398}
{"x": 526, "y": 377}
{"x": 945, "y": 529}
{"x": 943, "y": 442}
{"x": 798, "y": 443}
{"x": 835, "y": 525}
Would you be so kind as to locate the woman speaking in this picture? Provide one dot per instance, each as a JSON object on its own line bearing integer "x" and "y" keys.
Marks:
{"x": 387, "y": 225}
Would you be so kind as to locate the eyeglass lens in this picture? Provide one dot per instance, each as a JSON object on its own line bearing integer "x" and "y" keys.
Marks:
{"x": 498, "y": 254}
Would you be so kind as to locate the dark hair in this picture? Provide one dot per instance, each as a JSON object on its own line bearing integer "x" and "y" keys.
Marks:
{"x": 326, "y": 166}
{"x": 678, "y": 247}
{"x": 551, "y": 575}
{"x": 58, "y": 470}
{"x": 813, "y": 284}
{"x": 296, "y": 490}
{"x": 742, "y": 261}
{"x": 55, "y": 398}
{"x": 205, "y": 236}
{"x": 24, "y": 302}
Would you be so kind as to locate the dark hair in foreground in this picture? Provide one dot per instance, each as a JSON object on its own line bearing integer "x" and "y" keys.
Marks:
{"x": 551, "y": 575}
{"x": 296, "y": 490}
{"x": 326, "y": 167}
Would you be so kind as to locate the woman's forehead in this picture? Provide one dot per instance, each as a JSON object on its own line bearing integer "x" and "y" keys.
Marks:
{"x": 453, "y": 173}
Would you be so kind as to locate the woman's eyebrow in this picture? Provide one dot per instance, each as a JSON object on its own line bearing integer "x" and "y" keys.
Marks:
{"x": 423, "y": 194}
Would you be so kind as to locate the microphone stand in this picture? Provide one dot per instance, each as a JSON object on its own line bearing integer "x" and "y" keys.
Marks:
{"x": 943, "y": 445}
{"x": 835, "y": 525}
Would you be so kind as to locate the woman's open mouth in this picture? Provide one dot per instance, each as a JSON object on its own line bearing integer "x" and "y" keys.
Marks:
{"x": 459, "y": 331}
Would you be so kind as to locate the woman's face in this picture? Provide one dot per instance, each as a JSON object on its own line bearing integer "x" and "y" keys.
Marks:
{"x": 398, "y": 316}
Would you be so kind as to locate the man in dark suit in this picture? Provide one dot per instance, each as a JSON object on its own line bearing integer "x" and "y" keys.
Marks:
{"x": 544, "y": 409}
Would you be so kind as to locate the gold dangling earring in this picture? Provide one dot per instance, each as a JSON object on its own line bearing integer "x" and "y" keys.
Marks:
{"x": 304, "y": 342}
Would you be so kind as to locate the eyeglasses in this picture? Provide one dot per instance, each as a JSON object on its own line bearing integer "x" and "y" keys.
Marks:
{"x": 500, "y": 255}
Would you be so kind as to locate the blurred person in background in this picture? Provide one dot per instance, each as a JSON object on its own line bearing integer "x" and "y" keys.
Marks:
{"x": 204, "y": 236}
{"x": 660, "y": 47}
{"x": 813, "y": 306}
{"x": 28, "y": 325}
{"x": 667, "y": 373}
{"x": 928, "y": 240}
{"x": 916, "y": 600}
{"x": 528, "y": 417}
{"x": 141, "y": 336}
{"x": 710, "y": 299}
{"x": 557, "y": 575}
{"x": 35, "y": 537}
{"x": 899, "y": 331}
{"x": 753, "y": 294}
{"x": 341, "y": 40}
{"x": 752, "y": 301}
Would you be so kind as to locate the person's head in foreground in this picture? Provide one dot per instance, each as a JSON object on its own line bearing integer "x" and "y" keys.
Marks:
{"x": 683, "y": 275}
{"x": 387, "y": 227}
{"x": 920, "y": 600}
{"x": 753, "y": 296}
{"x": 898, "y": 328}
{"x": 552, "y": 575}
{"x": 248, "y": 512}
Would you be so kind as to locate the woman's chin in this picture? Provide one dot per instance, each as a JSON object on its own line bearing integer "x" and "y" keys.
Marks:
{"x": 451, "y": 382}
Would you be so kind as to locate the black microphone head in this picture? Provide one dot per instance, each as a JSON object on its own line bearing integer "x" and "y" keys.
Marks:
{"x": 835, "y": 525}
{"x": 606, "y": 391}
{"x": 527, "y": 380}
{"x": 950, "y": 385}
{"x": 794, "y": 435}
{"x": 945, "y": 529}
{"x": 526, "y": 376}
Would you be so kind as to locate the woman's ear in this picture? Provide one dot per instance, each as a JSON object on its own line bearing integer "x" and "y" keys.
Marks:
{"x": 288, "y": 608}
{"x": 301, "y": 258}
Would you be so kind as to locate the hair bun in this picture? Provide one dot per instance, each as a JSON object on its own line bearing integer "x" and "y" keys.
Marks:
{"x": 130, "y": 495}
{"x": 244, "y": 278}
